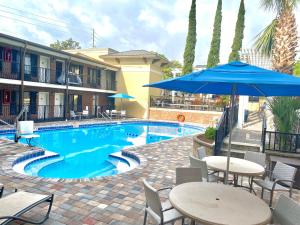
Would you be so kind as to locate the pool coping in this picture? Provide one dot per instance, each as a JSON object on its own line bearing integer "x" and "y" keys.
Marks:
{"x": 7, "y": 166}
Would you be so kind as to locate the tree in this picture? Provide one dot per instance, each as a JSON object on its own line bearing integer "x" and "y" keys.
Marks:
{"x": 214, "y": 53}
{"x": 65, "y": 45}
{"x": 191, "y": 39}
{"x": 297, "y": 69}
{"x": 169, "y": 68}
{"x": 279, "y": 39}
{"x": 239, "y": 34}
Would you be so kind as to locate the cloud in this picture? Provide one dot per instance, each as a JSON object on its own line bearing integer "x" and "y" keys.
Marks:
{"x": 131, "y": 24}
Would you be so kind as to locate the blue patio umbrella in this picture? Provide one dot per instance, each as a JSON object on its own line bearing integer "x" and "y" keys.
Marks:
{"x": 235, "y": 78}
{"x": 121, "y": 96}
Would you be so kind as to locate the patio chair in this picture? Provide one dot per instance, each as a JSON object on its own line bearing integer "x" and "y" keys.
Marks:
{"x": 161, "y": 213}
{"x": 123, "y": 114}
{"x": 256, "y": 157}
{"x": 188, "y": 174}
{"x": 74, "y": 115}
{"x": 13, "y": 206}
{"x": 25, "y": 129}
{"x": 281, "y": 179}
{"x": 286, "y": 211}
{"x": 201, "y": 152}
{"x": 198, "y": 163}
{"x": 1, "y": 189}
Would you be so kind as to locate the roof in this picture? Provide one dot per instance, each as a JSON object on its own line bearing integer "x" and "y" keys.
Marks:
{"x": 93, "y": 59}
{"x": 135, "y": 53}
{"x": 80, "y": 56}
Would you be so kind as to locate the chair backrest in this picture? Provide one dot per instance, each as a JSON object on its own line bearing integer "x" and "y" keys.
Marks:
{"x": 85, "y": 112}
{"x": 123, "y": 113}
{"x": 201, "y": 152}
{"x": 286, "y": 211}
{"x": 188, "y": 174}
{"x": 152, "y": 199}
{"x": 256, "y": 157}
{"x": 107, "y": 111}
{"x": 113, "y": 111}
{"x": 72, "y": 113}
{"x": 283, "y": 171}
{"x": 198, "y": 163}
{"x": 25, "y": 127}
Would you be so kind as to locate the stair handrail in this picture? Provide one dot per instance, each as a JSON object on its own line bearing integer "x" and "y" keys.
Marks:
{"x": 23, "y": 110}
{"x": 6, "y": 123}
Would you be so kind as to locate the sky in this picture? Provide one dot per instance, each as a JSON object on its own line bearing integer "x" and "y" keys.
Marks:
{"x": 154, "y": 25}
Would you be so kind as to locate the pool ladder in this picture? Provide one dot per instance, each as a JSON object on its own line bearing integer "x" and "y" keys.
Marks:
{"x": 104, "y": 115}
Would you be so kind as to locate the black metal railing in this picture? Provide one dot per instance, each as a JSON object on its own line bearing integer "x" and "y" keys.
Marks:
{"x": 9, "y": 112}
{"x": 222, "y": 129}
{"x": 179, "y": 103}
{"x": 10, "y": 70}
{"x": 280, "y": 141}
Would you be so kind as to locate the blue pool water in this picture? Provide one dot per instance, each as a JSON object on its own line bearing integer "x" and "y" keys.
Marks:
{"x": 84, "y": 152}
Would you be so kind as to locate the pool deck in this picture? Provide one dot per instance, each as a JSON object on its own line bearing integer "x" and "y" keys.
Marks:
{"x": 116, "y": 200}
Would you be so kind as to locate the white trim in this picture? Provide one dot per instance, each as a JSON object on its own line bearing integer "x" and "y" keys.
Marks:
{"x": 10, "y": 81}
{"x": 45, "y": 85}
{"x": 186, "y": 110}
{"x": 91, "y": 89}
{"x": 55, "y": 86}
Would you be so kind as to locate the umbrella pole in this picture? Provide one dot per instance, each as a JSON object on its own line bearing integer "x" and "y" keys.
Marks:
{"x": 232, "y": 102}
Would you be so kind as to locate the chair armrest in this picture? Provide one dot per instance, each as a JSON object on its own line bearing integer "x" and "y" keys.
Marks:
{"x": 282, "y": 180}
{"x": 164, "y": 188}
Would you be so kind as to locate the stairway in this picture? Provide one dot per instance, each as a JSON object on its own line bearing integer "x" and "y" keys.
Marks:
{"x": 254, "y": 121}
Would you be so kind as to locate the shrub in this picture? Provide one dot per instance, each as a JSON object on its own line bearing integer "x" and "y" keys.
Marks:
{"x": 210, "y": 133}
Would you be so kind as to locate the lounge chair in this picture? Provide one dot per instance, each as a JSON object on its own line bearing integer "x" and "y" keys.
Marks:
{"x": 13, "y": 206}
{"x": 198, "y": 163}
{"x": 123, "y": 114}
{"x": 162, "y": 213}
{"x": 74, "y": 115}
{"x": 286, "y": 211}
{"x": 280, "y": 179}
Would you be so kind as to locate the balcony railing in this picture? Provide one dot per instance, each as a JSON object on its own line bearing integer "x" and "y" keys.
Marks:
{"x": 184, "y": 104}
{"x": 75, "y": 79}
{"x": 10, "y": 70}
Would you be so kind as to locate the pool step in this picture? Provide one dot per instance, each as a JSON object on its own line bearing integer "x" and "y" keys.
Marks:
{"x": 123, "y": 163}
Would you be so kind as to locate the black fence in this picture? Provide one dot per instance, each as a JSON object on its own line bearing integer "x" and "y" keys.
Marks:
{"x": 280, "y": 142}
{"x": 222, "y": 129}
{"x": 184, "y": 104}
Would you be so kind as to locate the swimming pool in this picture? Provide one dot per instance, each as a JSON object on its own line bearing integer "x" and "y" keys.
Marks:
{"x": 88, "y": 151}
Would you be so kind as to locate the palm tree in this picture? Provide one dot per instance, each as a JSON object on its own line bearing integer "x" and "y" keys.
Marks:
{"x": 279, "y": 39}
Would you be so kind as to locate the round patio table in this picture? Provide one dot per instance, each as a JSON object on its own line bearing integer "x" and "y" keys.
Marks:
{"x": 236, "y": 166}
{"x": 213, "y": 203}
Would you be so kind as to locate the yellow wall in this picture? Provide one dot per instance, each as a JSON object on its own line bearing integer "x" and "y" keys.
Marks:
{"x": 133, "y": 75}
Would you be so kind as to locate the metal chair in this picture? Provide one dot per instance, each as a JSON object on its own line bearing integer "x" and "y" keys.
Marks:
{"x": 286, "y": 211}
{"x": 281, "y": 179}
{"x": 201, "y": 152}
{"x": 197, "y": 163}
{"x": 256, "y": 157}
{"x": 156, "y": 209}
{"x": 186, "y": 174}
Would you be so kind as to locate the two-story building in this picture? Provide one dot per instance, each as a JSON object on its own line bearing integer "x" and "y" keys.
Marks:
{"x": 51, "y": 82}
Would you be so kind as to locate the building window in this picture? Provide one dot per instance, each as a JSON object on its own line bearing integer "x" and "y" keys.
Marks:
{"x": 76, "y": 69}
{"x": 94, "y": 76}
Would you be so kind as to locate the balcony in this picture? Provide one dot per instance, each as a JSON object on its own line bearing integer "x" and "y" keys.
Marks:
{"x": 75, "y": 79}
{"x": 10, "y": 70}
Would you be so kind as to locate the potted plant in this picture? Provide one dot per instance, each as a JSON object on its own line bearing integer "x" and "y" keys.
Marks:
{"x": 207, "y": 140}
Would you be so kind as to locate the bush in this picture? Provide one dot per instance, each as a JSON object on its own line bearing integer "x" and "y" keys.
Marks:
{"x": 210, "y": 133}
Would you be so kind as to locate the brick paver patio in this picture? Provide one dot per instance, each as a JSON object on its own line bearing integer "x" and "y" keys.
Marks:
{"x": 116, "y": 200}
